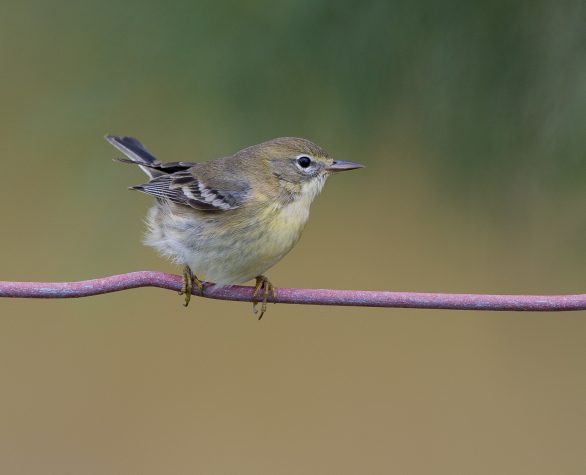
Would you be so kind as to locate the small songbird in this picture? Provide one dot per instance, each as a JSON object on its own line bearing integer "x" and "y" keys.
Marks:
{"x": 232, "y": 218}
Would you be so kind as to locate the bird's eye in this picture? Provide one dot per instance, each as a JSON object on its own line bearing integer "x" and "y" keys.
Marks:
{"x": 304, "y": 161}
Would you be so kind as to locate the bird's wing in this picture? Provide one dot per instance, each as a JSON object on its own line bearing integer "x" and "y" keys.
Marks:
{"x": 198, "y": 188}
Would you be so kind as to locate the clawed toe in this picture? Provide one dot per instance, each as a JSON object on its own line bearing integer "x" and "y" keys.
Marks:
{"x": 189, "y": 280}
{"x": 262, "y": 285}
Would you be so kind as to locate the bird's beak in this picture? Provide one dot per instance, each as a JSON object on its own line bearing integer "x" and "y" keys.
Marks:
{"x": 341, "y": 165}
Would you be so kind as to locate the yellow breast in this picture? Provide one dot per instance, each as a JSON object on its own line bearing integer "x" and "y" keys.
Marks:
{"x": 286, "y": 222}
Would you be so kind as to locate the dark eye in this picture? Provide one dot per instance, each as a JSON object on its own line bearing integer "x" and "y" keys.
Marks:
{"x": 304, "y": 161}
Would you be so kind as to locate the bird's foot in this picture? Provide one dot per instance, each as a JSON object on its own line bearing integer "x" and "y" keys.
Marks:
{"x": 189, "y": 280}
{"x": 262, "y": 289}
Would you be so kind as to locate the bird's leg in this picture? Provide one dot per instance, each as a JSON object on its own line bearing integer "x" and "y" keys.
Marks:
{"x": 189, "y": 279}
{"x": 262, "y": 285}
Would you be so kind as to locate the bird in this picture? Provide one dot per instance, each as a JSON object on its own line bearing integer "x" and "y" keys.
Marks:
{"x": 231, "y": 219}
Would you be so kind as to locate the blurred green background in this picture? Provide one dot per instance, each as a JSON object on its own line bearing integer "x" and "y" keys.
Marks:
{"x": 470, "y": 117}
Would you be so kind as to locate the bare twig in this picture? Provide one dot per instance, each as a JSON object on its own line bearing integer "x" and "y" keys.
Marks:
{"x": 359, "y": 298}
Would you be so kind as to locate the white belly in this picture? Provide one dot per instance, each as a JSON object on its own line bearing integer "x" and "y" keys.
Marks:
{"x": 217, "y": 253}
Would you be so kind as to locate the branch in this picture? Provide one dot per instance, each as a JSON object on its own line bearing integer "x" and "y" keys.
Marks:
{"x": 356, "y": 298}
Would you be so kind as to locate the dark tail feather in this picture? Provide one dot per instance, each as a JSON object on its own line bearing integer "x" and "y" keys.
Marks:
{"x": 136, "y": 153}
{"x": 155, "y": 166}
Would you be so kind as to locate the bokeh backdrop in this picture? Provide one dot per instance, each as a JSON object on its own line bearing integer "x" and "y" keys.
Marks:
{"x": 470, "y": 117}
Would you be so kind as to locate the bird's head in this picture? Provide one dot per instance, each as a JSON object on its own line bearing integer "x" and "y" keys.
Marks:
{"x": 299, "y": 166}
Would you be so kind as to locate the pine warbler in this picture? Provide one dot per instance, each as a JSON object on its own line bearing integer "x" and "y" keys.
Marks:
{"x": 232, "y": 218}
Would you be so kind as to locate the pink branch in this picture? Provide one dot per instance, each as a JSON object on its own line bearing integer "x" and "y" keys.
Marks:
{"x": 358, "y": 298}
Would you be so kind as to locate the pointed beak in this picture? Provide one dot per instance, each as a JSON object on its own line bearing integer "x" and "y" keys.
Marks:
{"x": 341, "y": 165}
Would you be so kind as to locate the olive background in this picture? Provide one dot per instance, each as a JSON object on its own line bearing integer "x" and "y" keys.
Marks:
{"x": 470, "y": 118}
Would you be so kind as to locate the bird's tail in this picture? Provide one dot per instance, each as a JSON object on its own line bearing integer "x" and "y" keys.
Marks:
{"x": 137, "y": 154}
